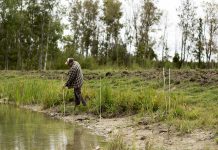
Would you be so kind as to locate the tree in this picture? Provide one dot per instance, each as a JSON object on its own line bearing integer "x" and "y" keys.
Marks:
{"x": 198, "y": 52}
{"x": 9, "y": 24}
{"x": 150, "y": 16}
{"x": 111, "y": 19}
{"x": 45, "y": 31}
{"x": 84, "y": 17}
{"x": 29, "y": 33}
{"x": 136, "y": 15}
{"x": 3, "y": 50}
{"x": 211, "y": 27}
{"x": 164, "y": 39}
{"x": 90, "y": 35}
{"x": 187, "y": 24}
{"x": 176, "y": 60}
{"x": 75, "y": 20}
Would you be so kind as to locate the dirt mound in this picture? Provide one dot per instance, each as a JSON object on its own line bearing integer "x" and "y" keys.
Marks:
{"x": 203, "y": 77}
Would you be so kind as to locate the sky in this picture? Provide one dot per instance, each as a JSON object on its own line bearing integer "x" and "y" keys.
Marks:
{"x": 168, "y": 7}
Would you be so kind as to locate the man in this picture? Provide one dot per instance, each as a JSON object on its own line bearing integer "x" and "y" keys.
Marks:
{"x": 75, "y": 80}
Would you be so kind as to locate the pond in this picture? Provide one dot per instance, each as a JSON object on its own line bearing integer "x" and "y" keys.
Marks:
{"x": 25, "y": 130}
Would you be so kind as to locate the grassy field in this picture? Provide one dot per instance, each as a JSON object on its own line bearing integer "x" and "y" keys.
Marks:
{"x": 191, "y": 103}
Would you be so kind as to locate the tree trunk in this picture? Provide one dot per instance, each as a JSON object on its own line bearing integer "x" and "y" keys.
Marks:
{"x": 116, "y": 45}
{"x": 19, "y": 52}
{"x": 42, "y": 44}
{"x": 45, "y": 63}
{"x": 47, "y": 43}
{"x": 19, "y": 56}
{"x": 210, "y": 42}
{"x": 6, "y": 54}
{"x": 181, "y": 59}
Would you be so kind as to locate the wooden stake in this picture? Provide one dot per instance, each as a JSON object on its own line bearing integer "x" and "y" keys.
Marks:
{"x": 164, "y": 87}
{"x": 169, "y": 91}
{"x": 168, "y": 130}
{"x": 164, "y": 78}
{"x": 64, "y": 100}
{"x": 100, "y": 98}
{"x": 63, "y": 94}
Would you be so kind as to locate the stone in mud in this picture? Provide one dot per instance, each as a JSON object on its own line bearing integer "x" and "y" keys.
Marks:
{"x": 143, "y": 138}
{"x": 109, "y": 131}
{"x": 148, "y": 127}
{"x": 192, "y": 80}
{"x": 108, "y": 74}
{"x": 204, "y": 77}
{"x": 82, "y": 118}
{"x": 143, "y": 122}
{"x": 163, "y": 131}
{"x": 53, "y": 114}
{"x": 98, "y": 148}
{"x": 4, "y": 100}
{"x": 125, "y": 73}
{"x": 203, "y": 82}
{"x": 177, "y": 82}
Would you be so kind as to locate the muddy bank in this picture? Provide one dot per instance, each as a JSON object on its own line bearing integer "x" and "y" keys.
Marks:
{"x": 139, "y": 133}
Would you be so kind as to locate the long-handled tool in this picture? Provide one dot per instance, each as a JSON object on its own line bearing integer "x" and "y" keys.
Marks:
{"x": 100, "y": 98}
{"x": 63, "y": 94}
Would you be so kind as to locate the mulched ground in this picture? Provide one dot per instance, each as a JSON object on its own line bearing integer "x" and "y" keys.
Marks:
{"x": 177, "y": 76}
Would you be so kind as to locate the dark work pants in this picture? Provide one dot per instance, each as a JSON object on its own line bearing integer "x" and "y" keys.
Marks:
{"x": 78, "y": 96}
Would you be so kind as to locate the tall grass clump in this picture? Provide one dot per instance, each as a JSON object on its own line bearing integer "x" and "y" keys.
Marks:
{"x": 105, "y": 102}
{"x": 32, "y": 91}
{"x": 116, "y": 143}
{"x": 122, "y": 101}
{"x": 216, "y": 140}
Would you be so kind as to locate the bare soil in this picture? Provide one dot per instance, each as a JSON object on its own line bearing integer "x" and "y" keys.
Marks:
{"x": 177, "y": 76}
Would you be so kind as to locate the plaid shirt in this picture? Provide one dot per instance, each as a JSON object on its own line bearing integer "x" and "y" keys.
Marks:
{"x": 75, "y": 79}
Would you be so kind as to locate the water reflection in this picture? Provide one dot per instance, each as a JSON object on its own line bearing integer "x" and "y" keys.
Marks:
{"x": 25, "y": 130}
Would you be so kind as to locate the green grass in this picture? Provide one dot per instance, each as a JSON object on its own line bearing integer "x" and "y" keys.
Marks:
{"x": 116, "y": 143}
{"x": 216, "y": 140}
{"x": 191, "y": 105}
{"x": 200, "y": 105}
{"x": 31, "y": 91}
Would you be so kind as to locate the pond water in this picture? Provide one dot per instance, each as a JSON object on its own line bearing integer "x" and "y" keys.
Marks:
{"x": 26, "y": 130}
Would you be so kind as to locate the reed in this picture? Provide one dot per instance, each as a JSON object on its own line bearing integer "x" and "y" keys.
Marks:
{"x": 32, "y": 91}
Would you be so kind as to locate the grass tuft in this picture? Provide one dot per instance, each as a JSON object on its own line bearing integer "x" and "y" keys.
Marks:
{"x": 117, "y": 143}
{"x": 216, "y": 140}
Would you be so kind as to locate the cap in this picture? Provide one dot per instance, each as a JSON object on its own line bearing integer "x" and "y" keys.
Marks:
{"x": 69, "y": 60}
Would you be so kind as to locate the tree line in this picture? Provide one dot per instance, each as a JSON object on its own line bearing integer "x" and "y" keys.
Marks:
{"x": 31, "y": 35}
